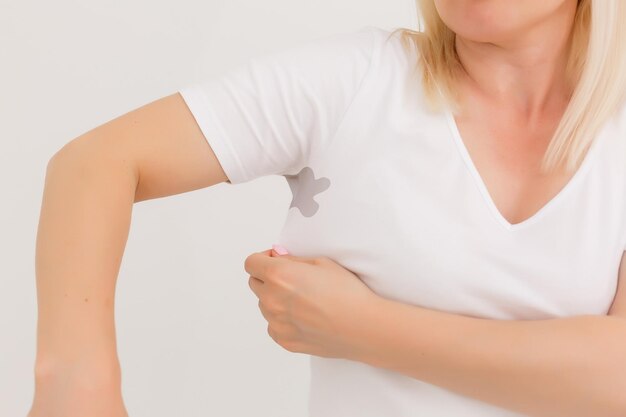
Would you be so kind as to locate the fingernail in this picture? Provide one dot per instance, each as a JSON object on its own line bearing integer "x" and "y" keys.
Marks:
{"x": 280, "y": 250}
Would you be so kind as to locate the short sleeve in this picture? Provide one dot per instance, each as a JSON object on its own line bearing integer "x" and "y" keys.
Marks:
{"x": 266, "y": 116}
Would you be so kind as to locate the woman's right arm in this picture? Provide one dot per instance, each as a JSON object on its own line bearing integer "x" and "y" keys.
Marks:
{"x": 90, "y": 187}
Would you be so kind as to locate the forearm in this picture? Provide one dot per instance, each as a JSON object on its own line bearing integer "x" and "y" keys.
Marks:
{"x": 83, "y": 228}
{"x": 559, "y": 367}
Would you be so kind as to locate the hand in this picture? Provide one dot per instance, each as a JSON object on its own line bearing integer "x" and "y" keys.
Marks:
{"x": 312, "y": 305}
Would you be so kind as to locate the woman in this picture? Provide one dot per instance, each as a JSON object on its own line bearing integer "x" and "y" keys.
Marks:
{"x": 455, "y": 260}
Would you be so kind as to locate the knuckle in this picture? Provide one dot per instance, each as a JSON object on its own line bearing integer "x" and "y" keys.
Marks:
{"x": 291, "y": 346}
{"x": 252, "y": 281}
{"x": 268, "y": 315}
{"x": 247, "y": 263}
{"x": 284, "y": 338}
{"x": 275, "y": 308}
{"x": 272, "y": 333}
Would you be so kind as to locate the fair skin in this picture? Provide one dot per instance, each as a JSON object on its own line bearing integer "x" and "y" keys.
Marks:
{"x": 570, "y": 367}
{"x": 91, "y": 186}
{"x": 562, "y": 367}
{"x": 514, "y": 81}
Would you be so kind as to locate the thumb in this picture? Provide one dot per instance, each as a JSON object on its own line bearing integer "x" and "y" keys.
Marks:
{"x": 279, "y": 251}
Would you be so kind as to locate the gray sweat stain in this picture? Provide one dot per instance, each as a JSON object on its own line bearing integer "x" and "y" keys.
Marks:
{"x": 304, "y": 187}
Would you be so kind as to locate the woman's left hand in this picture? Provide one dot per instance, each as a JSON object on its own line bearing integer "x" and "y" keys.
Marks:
{"x": 312, "y": 305}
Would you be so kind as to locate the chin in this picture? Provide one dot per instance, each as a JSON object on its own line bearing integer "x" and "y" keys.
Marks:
{"x": 485, "y": 35}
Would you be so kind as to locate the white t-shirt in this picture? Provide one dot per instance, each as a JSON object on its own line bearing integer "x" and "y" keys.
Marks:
{"x": 387, "y": 189}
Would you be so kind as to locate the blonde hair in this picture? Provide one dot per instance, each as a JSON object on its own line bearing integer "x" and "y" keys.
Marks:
{"x": 596, "y": 71}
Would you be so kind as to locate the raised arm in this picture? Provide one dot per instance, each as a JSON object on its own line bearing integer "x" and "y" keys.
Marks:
{"x": 90, "y": 186}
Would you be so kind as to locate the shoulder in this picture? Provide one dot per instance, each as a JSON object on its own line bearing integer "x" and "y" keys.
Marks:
{"x": 365, "y": 46}
{"x": 392, "y": 51}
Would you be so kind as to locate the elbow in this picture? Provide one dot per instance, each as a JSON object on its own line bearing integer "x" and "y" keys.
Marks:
{"x": 89, "y": 156}
{"x": 70, "y": 148}
{"x": 69, "y": 154}
{"x": 80, "y": 151}
{"x": 53, "y": 162}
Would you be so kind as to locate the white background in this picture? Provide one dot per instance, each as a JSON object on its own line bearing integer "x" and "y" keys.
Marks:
{"x": 191, "y": 339}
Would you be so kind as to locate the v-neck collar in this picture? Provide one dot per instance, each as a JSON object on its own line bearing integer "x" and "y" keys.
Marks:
{"x": 574, "y": 180}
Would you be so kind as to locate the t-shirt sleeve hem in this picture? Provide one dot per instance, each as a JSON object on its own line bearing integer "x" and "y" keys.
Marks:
{"x": 201, "y": 109}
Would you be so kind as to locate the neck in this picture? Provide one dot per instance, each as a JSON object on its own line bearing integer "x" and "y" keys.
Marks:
{"x": 525, "y": 73}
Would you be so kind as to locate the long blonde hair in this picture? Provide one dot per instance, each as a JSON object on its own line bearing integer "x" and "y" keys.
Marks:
{"x": 596, "y": 71}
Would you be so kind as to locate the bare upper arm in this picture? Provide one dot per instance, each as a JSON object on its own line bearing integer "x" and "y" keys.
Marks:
{"x": 618, "y": 308}
{"x": 163, "y": 142}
